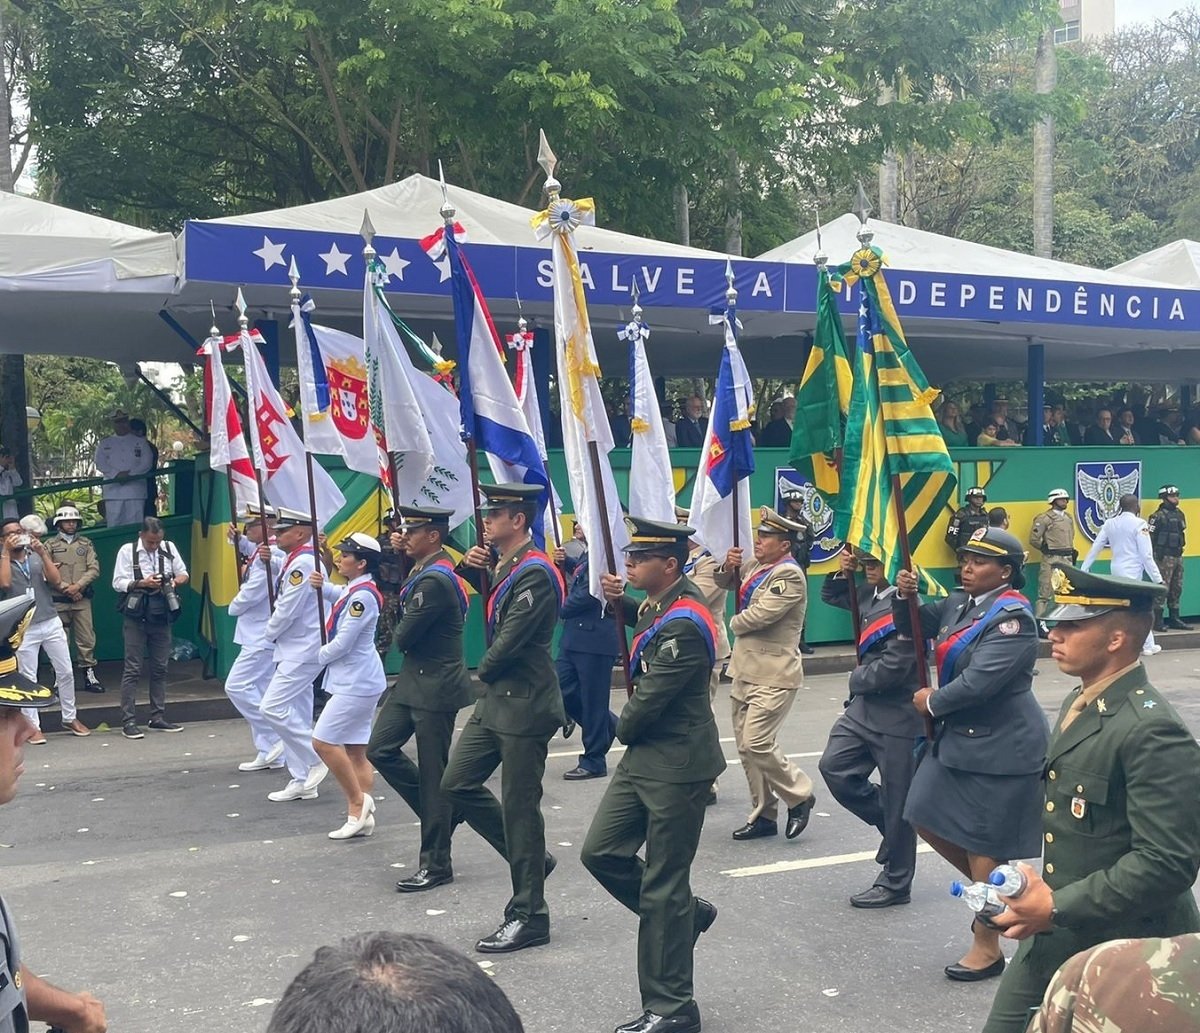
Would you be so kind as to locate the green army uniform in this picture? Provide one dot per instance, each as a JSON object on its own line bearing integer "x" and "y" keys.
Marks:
{"x": 519, "y": 710}
{"x": 1053, "y": 535}
{"x": 658, "y": 794}
{"x": 432, "y": 686}
{"x": 394, "y": 568}
{"x": 77, "y": 564}
{"x": 1121, "y": 827}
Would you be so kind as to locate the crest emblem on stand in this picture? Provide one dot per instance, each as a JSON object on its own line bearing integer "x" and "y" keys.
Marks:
{"x": 1098, "y": 491}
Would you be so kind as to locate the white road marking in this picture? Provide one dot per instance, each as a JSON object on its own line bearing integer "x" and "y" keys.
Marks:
{"x": 621, "y": 749}
{"x": 809, "y": 862}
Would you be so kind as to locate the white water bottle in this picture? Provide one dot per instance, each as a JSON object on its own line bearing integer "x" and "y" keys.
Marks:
{"x": 979, "y": 897}
{"x": 1008, "y": 880}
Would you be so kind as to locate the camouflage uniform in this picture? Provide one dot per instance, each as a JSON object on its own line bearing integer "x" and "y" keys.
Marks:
{"x": 1168, "y": 535}
{"x": 393, "y": 567}
{"x": 965, "y": 522}
{"x": 1126, "y": 986}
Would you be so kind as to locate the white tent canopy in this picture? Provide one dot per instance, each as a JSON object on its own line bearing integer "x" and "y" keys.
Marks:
{"x": 1177, "y": 263}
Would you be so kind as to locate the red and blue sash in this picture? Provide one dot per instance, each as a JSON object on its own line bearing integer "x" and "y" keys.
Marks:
{"x": 690, "y": 565}
{"x": 533, "y": 558}
{"x": 948, "y": 652}
{"x": 876, "y": 631}
{"x": 680, "y": 609}
{"x": 288, "y": 562}
{"x": 443, "y": 568}
{"x": 752, "y": 583}
{"x": 340, "y": 605}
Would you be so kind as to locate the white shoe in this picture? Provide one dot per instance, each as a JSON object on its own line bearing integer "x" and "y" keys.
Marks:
{"x": 316, "y": 775}
{"x": 262, "y": 762}
{"x": 363, "y": 825}
{"x": 275, "y": 755}
{"x": 1151, "y": 650}
{"x": 294, "y": 790}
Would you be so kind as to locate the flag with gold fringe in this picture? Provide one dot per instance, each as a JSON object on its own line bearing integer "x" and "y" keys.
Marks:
{"x": 890, "y": 430}
{"x": 823, "y": 397}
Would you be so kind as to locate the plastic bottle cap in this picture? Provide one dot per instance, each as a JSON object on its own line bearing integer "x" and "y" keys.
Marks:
{"x": 956, "y": 889}
{"x": 996, "y": 879}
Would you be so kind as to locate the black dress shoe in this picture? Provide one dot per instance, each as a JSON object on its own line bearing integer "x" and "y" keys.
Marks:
{"x": 879, "y": 896}
{"x": 702, "y": 918}
{"x": 686, "y": 1020}
{"x": 962, "y": 974}
{"x": 757, "y": 829}
{"x": 551, "y": 864}
{"x": 424, "y": 879}
{"x": 798, "y": 817}
{"x": 568, "y": 729}
{"x": 513, "y": 935}
{"x": 806, "y": 649}
{"x": 578, "y": 774}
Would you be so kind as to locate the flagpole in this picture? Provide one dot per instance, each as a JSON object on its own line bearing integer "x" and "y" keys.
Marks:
{"x": 244, "y": 333}
{"x": 294, "y": 276}
{"x": 214, "y": 341}
{"x": 731, "y": 296}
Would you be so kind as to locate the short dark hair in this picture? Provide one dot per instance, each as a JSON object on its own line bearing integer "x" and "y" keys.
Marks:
{"x": 398, "y": 982}
{"x": 9, "y": 520}
{"x": 152, "y": 525}
{"x": 1128, "y": 503}
{"x": 996, "y": 516}
{"x": 1136, "y": 623}
{"x": 135, "y": 425}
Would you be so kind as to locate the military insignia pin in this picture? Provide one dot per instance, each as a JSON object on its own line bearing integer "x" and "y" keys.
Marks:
{"x": 1102, "y": 706}
{"x": 1078, "y": 807}
{"x": 1009, "y": 627}
{"x": 1060, "y": 583}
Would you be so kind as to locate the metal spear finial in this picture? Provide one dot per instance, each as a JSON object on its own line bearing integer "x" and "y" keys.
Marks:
{"x": 447, "y": 211}
{"x": 862, "y": 208}
{"x": 522, "y": 323}
{"x": 548, "y": 160}
{"x": 214, "y": 330}
{"x": 820, "y": 259}
{"x": 637, "y": 309}
{"x": 240, "y": 305}
{"x": 294, "y": 276}
{"x": 730, "y": 291}
{"x": 367, "y": 232}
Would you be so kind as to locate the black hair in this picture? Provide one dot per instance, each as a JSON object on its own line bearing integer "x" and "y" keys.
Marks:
{"x": 996, "y": 516}
{"x": 393, "y": 982}
{"x": 152, "y": 525}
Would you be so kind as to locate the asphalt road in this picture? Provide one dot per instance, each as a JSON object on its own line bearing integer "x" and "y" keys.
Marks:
{"x": 156, "y": 875}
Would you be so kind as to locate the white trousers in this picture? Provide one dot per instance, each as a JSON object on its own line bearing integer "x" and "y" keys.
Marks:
{"x": 287, "y": 707}
{"x": 122, "y": 512}
{"x": 1134, "y": 572}
{"x": 245, "y": 685}
{"x": 50, "y": 636}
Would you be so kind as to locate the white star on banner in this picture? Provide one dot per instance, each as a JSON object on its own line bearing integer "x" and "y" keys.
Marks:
{"x": 335, "y": 261}
{"x": 271, "y": 254}
{"x": 395, "y": 265}
{"x": 443, "y": 268}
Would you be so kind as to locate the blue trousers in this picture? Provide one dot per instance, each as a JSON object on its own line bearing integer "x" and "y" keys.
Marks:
{"x": 586, "y": 681}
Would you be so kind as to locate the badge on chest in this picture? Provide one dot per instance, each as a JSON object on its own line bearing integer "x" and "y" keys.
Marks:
{"x": 1078, "y": 807}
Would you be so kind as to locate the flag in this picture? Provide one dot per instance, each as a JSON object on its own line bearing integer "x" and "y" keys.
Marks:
{"x": 333, "y": 394}
{"x": 488, "y": 404}
{"x": 525, "y": 385}
{"x": 277, "y": 448}
{"x": 227, "y": 442}
{"x": 417, "y": 416}
{"x": 586, "y": 431}
{"x": 651, "y": 481}
{"x": 890, "y": 430}
{"x": 727, "y": 458}
{"x": 823, "y": 397}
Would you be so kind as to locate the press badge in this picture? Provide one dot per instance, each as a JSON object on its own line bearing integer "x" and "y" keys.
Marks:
{"x": 1078, "y": 807}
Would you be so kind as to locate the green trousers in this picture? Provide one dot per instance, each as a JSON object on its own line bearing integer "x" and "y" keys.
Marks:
{"x": 667, "y": 817}
{"x": 419, "y": 784}
{"x": 513, "y": 824}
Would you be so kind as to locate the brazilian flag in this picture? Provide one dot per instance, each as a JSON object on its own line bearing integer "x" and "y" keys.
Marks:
{"x": 823, "y": 397}
{"x": 890, "y": 430}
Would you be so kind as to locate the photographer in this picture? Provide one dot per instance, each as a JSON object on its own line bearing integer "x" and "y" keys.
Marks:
{"x": 146, "y": 577}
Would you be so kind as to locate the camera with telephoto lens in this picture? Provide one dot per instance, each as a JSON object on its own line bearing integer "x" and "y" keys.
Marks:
{"x": 167, "y": 587}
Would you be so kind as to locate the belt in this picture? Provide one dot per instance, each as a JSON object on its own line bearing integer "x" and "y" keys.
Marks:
{"x": 1058, "y": 552}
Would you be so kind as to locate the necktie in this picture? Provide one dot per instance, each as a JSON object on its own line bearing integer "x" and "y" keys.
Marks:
{"x": 1076, "y": 708}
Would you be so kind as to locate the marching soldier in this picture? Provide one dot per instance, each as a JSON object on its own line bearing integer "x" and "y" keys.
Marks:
{"x": 1121, "y": 828}
{"x": 766, "y": 672}
{"x": 967, "y": 519}
{"x": 660, "y": 788}
{"x": 75, "y": 557}
{"x": 518, "y": 711}
{"x": 433, "y": 685}
{"x": 1053, "y": 535}
{"x": 293, "y": 629}
{"x": 1168, "y": 535}
{"x": 394, "y": 565}
{"x": 877, "y": 729}
{"x": 701, "y": 570}
{"x": 793, "y": 500}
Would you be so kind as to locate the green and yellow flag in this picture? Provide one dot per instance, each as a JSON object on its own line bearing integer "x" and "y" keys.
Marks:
{"x": 823, "y": 397}
{"x": 890, "y": 429}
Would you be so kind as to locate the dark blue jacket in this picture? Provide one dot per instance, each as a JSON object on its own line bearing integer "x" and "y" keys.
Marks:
{"x": 587, "y": 628}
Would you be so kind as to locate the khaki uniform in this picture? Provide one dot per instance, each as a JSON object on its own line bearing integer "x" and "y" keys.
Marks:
{"x": 1053, "y": 535}
{"x": 77, "y": 563}
{"x": 766, "y": 672}
{"x": 701, "y": 570}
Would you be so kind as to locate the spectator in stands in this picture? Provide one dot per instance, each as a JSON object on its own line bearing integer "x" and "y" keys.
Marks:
{"x": 393, "y": 982}
{"x": 1004, "y": 430}
{"x": 1100, "y": 432}
{"x": 667, "y": 409}
{"x": 1050, "y": 429}
{"x": 1168, "y": 427}
{"x": 1191, "y": 429}
{"x": 620, "y": 425}
{"x": 951, "y": 425}
{"x": 988, "y": 439}
{"x": 976, "y": 417}
{"x": 125, "y": 458}
{"x": 151, "y": 506}
{"x": 1124, "y": 430}
{"x": 693, "y": 426}
{"x": 778, "y": 431}
{"x": 10, "y": 481}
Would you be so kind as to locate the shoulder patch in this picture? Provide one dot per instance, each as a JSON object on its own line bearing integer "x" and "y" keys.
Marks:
{"x": 417, "y": 598}
{"x": 357, "y": 609}
{"x": 671, "y": 647}
{"x": 525, "y": 597}
{"x": 295, "y": 577}
{"x": 1009, "y": 627}
{"x": 778, "y": 588}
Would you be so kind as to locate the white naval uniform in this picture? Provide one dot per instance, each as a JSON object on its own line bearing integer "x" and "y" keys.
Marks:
{"x": 124, "y": 503}
{"x": 251, "y": 671}
{"x": 354, "y": 676}
{"x": 287, "y": 704}
{"x": 1128, "y": 535}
